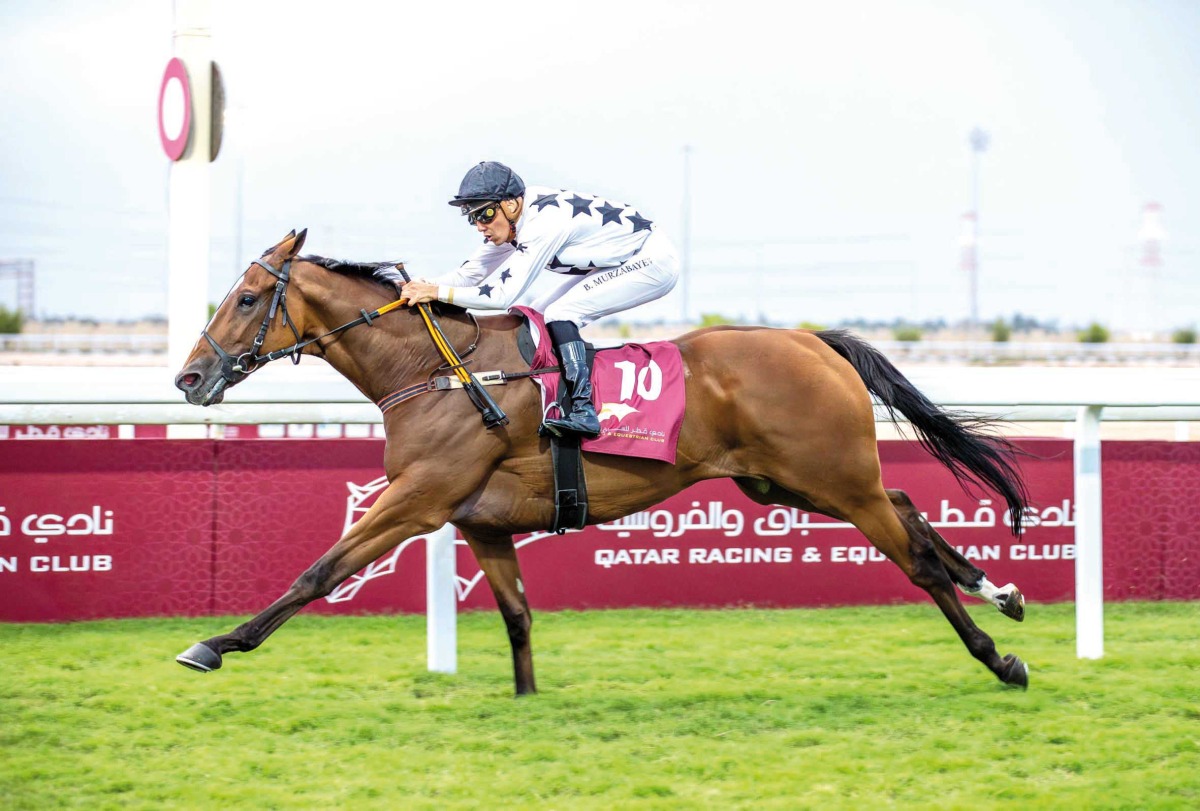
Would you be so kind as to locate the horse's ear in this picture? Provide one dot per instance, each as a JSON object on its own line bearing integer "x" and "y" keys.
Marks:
{"x": 299, "y": 243}
{"x": 290, "y": 245}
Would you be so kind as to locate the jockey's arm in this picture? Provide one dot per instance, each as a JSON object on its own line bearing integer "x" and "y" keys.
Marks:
{"x": 505, "y": 285}
{"x": 478, "y": 266}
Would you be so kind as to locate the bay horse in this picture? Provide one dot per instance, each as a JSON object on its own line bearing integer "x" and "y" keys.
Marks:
{"x": 786, "y": 414}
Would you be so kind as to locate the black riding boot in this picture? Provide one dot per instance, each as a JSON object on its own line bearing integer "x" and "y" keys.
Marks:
{"x": 572, "y": 353}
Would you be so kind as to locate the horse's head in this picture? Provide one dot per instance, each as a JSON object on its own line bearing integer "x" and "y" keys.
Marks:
{"x": 251, "y": 320}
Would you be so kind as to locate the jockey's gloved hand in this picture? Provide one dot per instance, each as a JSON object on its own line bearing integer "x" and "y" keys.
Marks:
{"x": 399, "y": 284}
{"x": 420, "y": 291}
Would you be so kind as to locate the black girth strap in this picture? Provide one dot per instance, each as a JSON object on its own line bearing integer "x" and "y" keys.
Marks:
{"x": 570, "y": 487}
{"x": 566, "y": 456}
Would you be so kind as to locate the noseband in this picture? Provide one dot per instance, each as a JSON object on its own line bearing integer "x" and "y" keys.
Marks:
{"x": 250, "y": 360}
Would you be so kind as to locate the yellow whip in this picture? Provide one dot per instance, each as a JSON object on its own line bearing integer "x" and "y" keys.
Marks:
{"x": 492, "y": 415}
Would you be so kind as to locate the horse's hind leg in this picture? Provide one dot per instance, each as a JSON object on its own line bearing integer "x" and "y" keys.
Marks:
{"x": 498, "y": 559}
{"x": 917, "y": 556}
{"x": 1008, "y": 599}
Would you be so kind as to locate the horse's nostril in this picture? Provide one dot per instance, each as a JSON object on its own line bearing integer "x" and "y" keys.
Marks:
{"x": 187, "y": 381}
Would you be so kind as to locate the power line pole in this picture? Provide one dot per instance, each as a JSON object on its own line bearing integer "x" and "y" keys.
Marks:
{"x": 978, "y": 139}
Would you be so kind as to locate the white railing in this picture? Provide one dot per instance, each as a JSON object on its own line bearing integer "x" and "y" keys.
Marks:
{"x": 926, "y": 351}
{"x": 314, "y": 393}
{"x": 1064, "y": 352}
{"x": 84, "y": 343}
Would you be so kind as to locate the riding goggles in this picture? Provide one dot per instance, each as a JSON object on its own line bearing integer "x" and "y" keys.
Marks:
{"x": 484, "y": 214}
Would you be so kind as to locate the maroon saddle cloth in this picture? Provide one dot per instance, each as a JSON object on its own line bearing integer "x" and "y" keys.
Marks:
{"x": 638, "y": 391}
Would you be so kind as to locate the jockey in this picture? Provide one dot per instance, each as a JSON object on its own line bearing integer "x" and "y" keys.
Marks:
{"x": 605, "y": 258}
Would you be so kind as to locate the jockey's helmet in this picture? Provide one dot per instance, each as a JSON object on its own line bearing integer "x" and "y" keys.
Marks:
{"x": 487, "y": 182}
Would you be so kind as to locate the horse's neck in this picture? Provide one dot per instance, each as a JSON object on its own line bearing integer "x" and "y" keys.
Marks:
{"x": 396, "y": 351}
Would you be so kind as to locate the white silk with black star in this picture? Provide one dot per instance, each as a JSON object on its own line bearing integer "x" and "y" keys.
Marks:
{"x": 559, "y": 231}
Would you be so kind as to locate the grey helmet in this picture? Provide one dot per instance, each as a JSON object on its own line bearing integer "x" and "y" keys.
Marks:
{"x": 488, "y": 182}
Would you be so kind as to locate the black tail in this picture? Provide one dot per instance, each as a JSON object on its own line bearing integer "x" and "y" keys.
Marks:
{"x": 959, "y": 441}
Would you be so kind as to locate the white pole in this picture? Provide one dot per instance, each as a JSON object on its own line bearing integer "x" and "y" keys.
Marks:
{"x": 190, "y": 193}
{"x": 1089, "y": 545}
{"x": 441, "y": 601}
{"x": 685, "y": 275}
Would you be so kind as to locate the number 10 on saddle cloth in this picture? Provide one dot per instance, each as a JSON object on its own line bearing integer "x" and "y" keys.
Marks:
{"x": 638, "y": 391}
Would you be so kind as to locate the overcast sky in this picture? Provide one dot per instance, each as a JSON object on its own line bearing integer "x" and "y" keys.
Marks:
{"x": 829, "y": 159}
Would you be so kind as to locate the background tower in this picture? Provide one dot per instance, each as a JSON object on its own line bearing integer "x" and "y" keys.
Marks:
{"x": 978, "y": 141}
{"x": 22, "y": 271}
{"x": 1147, "y": 284}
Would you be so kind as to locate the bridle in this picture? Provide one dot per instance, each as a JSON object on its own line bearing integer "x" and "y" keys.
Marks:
{"x": 250, "y": 360}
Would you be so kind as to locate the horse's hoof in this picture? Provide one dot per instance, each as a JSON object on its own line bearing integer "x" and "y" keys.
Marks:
{"x": 200, "y": 657}
{"x": 1012, "y": 603}
{"x": 1015, "y": 672}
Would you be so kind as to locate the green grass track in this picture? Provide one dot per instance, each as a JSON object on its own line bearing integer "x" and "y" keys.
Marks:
{"x": 837, "y": 708}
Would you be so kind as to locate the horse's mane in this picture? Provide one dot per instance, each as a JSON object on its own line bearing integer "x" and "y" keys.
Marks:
{"x": 382, "y": 273}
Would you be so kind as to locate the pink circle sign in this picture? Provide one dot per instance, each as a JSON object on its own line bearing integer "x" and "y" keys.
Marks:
{"x": 174, "y": 110}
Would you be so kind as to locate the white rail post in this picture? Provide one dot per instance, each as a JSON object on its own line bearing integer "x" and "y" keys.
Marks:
{"x": 441, "y": 601}
{"x": 1089, "y": 537}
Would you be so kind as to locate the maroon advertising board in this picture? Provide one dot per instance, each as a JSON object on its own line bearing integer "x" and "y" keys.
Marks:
{"x": 191, "y": 527}
{"x": 105, "y": 529}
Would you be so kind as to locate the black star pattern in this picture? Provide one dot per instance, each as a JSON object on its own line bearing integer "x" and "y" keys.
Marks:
{"x": 580, "y": 206}
{"x": 520, "y": 247}
{"x": 486, "y": 290}
{"x": 557, "y": 263}
{"x": 609, "y": 214}
{"x": 506, "y": 275}
{"x": 546, "y": 200}
{"x": 640, "y": 223}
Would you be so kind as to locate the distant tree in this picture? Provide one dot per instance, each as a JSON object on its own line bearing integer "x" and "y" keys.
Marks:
{"x": 1187, "y": 335}
{"x": 212, "y": 310}
{"x": 811, "y": 325}
{"x": 1096, "y": 333}
{"x": 1001, "y": 331}
{"x": 11, "y": 321}
{"x": 906, "y": 332}
{"x": 624, "y": 331}
{"x": 713, "y": 320}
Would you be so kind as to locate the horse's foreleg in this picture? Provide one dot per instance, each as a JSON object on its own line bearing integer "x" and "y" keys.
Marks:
{"x": 384, "y": 526}
{"x": 498, "y": 559}
{"x": 918, "y": 558}
{"x": 1008, "y": 599}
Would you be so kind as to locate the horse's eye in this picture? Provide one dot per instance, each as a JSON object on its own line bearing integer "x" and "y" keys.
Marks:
{"x": 246, "y": 300}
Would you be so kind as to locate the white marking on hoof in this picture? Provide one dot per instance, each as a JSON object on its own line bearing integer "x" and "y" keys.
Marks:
{"x": 985, "y": 590}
